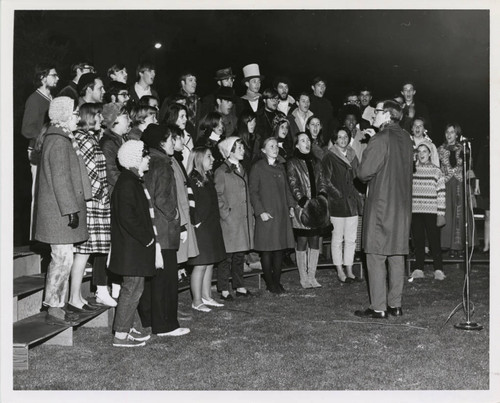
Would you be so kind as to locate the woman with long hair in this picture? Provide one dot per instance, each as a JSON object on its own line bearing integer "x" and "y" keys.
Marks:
{"x": 247, "y": 124}
{"x": 98, "y": 212}
{"x": 273, "y": 204}
{"x": 305, "y": 176}
{"x": 210, "y": 134}
{"x": 451, "y": 154}
{"x": 177, "y": 115}
{"x": 207, "y": 228}
{"x": 314, "y": 129}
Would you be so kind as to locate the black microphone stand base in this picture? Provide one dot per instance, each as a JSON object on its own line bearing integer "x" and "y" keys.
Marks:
{"x": 468, "y": 326}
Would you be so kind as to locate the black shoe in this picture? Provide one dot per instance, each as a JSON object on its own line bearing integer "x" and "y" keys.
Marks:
{"x": 69, "y": 320}
{"x": 91, "y": 308}
{"x": 228, "y": 298}
{"x": 281, "y": 288}
{"x": 273, "y": 290}
{"x": 395, "y": 311}
{"x": 71, "y": 308}
{"x": 349, "y": 280}
{"x": 243, "y": 294}
{"x": 370, "y": 313}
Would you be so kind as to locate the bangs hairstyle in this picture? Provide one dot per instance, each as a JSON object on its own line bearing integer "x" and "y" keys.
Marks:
{"x": 88, "y": 112}
{"x": 335, "y": 135}
{"x": 246, "y": 116}
{"x": 457, "y": 128}
{"x": 319, "y": 139}
{"x": 264, "y": 142}
{"x": 142, "y": 67}
{"x": 394, "y": 110}
{"x": 138, "y": 114}
{"x": 115, "y": 68}
{"x": 196, "y": 161}
{"x": 209, "y": 123}
{"x": 173, "y": 111}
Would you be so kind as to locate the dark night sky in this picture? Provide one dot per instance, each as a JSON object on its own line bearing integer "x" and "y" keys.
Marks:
{"x": 445, "y": 52}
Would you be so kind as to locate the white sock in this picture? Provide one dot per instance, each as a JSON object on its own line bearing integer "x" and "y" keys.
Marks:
{"x": 225, "y": 293}
{"x": 242, "y": 289}
{"x": 121, "y": 335}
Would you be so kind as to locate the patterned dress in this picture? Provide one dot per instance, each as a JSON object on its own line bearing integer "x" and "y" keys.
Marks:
{"x": 98, "y": 208}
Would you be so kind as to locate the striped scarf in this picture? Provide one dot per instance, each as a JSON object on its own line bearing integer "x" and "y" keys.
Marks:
{"x": 178, "y": 157}
{"x": 158, "y": 256}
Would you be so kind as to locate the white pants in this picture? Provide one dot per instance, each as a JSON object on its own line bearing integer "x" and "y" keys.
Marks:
{"x": 344, "y": 229}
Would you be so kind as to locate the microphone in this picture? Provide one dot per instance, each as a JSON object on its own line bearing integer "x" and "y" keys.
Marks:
{"x": 463, "y": 138}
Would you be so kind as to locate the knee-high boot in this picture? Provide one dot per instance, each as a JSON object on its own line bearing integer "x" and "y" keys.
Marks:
{"x": 301, "y": 257}
{"x": 312, "y": 264}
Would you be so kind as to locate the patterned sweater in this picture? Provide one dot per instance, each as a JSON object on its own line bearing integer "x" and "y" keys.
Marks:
{"x": 429, "y": 190}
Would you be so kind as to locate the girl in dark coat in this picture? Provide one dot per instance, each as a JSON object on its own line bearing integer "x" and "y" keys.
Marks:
{"x": 305, "y": 176}
{"x": 273, "y": 204}
{"x": 247, "y": 123}
{"x": 210, "y": 134}
{"x": 159, "y": 301}
{"x": 133, "y": 248}
{"x": 339, "y": 166}
{"x": 207, "y": 226}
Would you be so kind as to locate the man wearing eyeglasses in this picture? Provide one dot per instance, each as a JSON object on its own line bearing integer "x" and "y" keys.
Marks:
{"x": 117, "y": 92}
{"x": 35, "y": 114}
{"x": 387, "y": 168}
{"x": 78, "y": 70}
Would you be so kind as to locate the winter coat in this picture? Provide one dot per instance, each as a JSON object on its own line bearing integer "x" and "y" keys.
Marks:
{"x": 270, "y": 193}
{"x": 110, "y": 143}
{"x": 206, "y": 221}
{"x": 160, "y": 182}
{"x": 236, "y": 213}
{"x": 303, "y": 185}
{"x": 190, "y": 247}
{"x": 131, "y": 229}
{"x": 63, "y": 187}
{"x": 340, "y": 172}
{"x": 387, "y": 167}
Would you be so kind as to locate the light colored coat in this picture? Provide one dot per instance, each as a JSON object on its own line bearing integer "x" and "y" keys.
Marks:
{"x": 63, "y": 187}
{"x": 236, "y": 212}
{"x": 387, "y": 167}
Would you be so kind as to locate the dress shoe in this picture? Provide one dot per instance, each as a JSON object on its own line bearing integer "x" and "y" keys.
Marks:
{"x": 243, "y": 294}
{"x": 201, "y": 308}
{"x": 370, "y": 313}
{"x": 395, "y": 311}
{"x": 72, "y": 308}
{"x": 229, "y": 297}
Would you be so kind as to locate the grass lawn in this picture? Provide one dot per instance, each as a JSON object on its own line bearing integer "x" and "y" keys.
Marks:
{"x": 301, "y": 340}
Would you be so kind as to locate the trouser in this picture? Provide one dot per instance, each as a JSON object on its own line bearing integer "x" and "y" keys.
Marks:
{"x": 271, "y": 267}
{"x": 420, "y": 225}
{"x": 344, "y": 229}
{"x": 99, "y": 276}
{"x": 57, "y": 282}
{"x": 231, "y": 266}
{"x": 380, "y": 297}
{"x": 130, "y": 294}
{"x": 160, "y": 298}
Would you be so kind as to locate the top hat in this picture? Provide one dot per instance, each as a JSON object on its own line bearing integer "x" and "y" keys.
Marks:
{"x": 222, "y": 74}
{"x": 251, "y": 71}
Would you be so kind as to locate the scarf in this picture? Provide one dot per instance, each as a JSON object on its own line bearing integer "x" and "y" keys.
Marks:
{"x": 158, "y": 256}
{"x": 178, "y": 157}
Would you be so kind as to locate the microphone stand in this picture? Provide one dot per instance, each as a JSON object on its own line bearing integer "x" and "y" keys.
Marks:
{"x": 467, "y": 325}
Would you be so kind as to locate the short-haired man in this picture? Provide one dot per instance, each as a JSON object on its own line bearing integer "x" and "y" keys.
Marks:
{"x": 35, "y": 114}
{"x": 265, "y": 116}
{"x": 224, "y": 101}
{"x": 90, "y": 89}
{"x": 117, "y": 92}
{"x": 322, "y": 107}
{"x": 299, "y": 116}
{"x": 252, "y": 80}
{"x": 118, "y": 72}
{"x": 78, "y": 70}
{"x": 286, "y": 102}
{"x": 145, "y": 76}
{"x": 367, "y": 111}
{"x": 188, "y": 84}
{"x": 387, "y": 168}
{"x": 413, "y": 108}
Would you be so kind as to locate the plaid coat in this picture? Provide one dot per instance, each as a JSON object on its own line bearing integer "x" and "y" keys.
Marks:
{"x": 98, "y": 208}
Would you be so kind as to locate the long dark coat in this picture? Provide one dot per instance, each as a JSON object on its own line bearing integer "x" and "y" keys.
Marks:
{"x": 206, "y": 222}
{"x": 236, "y": 213}
{"x": 131, "y": 229}
{"x": 270, "y": 193}
{"x": 387, "y": 167}
{"x": 63, "y": 186}
{"x": 302, "y": 185}
{"x": 160, "y": 182}
{"x": 340, "y": 172}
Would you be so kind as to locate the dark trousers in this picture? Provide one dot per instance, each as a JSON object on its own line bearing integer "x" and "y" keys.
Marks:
{"x": 159, "y": 300}
{"x": 231, "y": 266}
{"x": 99, "y": 276}
{"x": 420, "y": 225}
{"x": 271, "y": 267}
{"x": 130, "y": 295}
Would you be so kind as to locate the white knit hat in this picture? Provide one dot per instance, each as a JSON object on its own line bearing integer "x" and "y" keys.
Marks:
{"x": 130, "y": 154}
{"x": 226, "y": 145}
{"x": 61, "y": 109}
